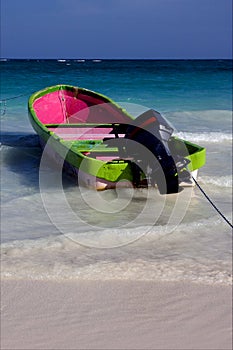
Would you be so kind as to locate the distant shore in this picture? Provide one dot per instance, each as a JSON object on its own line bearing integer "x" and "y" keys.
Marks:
{"x": 114, "y": 315}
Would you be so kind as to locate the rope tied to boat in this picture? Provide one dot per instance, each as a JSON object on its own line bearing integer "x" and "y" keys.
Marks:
{"x": 3, "y": 102}
{"x": 3, "y": 107}
{"x": 211, "y": 202}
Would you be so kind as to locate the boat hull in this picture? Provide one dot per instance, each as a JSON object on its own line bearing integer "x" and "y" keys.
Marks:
{"x": 91, "y": 181}
{"x": 87, "y": 158}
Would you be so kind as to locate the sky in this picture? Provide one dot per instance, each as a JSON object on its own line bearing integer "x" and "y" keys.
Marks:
{"x": 133, "y": 29}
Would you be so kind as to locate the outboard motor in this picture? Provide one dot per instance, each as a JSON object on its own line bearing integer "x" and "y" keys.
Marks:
{"x": 151, "y": 130}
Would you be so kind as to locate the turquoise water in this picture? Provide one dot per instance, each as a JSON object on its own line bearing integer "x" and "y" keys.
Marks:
{"x": 122, "y": 234}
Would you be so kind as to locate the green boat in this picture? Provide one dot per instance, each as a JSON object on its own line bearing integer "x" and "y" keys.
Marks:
{"x": 104, "y": 146}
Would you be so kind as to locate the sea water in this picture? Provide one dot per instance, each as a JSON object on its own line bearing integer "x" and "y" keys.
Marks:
{"x": 53, "y": 229}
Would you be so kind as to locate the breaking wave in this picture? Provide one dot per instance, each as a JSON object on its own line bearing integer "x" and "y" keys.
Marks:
{"x": 59, "y": 258}
{"x": 205, "y": 137}
{"x": 222, "y": 181}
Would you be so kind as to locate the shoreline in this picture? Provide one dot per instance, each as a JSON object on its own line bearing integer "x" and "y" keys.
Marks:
{"x": 115, "y": 315}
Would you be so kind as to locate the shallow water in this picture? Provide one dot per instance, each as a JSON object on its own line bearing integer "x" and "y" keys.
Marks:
{"x": 49, "y": 232}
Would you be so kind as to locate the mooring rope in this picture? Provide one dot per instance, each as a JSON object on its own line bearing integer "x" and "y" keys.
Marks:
{"x": 12, "y": 98}
{"x": 211, "y": 202}
{"x": 3, "y": 109}
{"x": 4, "y": 101}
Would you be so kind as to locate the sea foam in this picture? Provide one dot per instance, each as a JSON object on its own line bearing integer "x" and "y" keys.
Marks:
{"x": 222, "y": 181}
{"x": 205, "y": 137}
{"x": 60, "y": 258}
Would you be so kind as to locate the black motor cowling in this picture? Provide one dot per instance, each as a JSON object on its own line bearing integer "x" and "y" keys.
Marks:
{"x": 152, "y": 131}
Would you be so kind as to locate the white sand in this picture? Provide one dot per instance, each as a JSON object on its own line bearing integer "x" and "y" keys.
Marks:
{"x": 114, "y": 315}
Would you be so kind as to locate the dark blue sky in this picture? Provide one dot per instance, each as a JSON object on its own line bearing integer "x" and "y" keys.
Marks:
{"x": 116, "y": 29}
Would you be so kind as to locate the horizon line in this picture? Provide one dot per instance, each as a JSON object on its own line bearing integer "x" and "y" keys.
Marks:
{"x": 114, "y": 59}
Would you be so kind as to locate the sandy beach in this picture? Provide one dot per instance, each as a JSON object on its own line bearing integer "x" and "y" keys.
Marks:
{"x": 114, "y": 315}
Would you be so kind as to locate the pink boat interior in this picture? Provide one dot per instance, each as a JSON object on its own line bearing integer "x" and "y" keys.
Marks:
{"x": 71, "y": 116}
{"x": 62, "y": 107}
